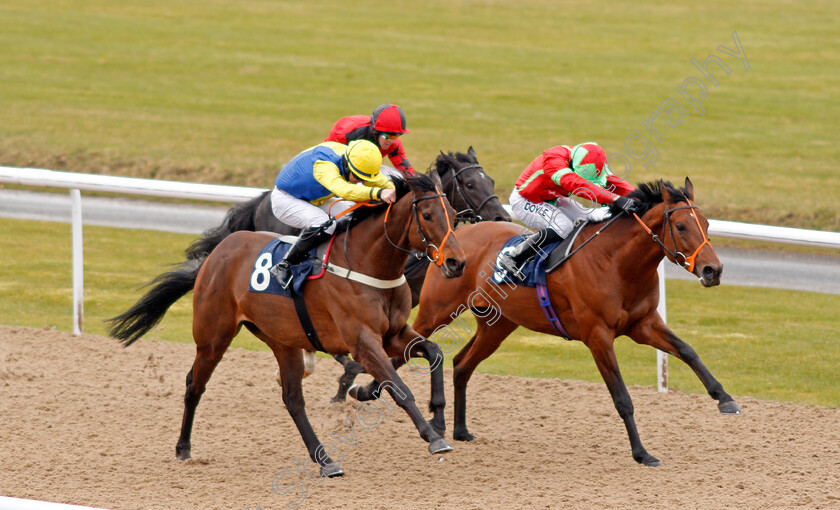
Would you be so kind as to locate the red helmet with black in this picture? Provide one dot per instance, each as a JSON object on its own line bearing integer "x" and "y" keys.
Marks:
{"x": 388, "y": 118}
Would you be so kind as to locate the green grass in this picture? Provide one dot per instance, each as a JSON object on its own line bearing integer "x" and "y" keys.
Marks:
{"x": 225, "y": 92}
{"x": 770, "y": 344}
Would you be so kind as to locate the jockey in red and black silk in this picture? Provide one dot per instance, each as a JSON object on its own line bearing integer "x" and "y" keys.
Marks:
{"x": 383, "y": 128}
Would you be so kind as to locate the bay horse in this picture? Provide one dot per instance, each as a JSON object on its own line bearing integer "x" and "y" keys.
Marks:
{"x": 609, "y": 288}
{"x": 351, "y": 317}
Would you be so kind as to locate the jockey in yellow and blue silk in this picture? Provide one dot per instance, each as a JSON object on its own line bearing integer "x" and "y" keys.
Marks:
{"x": 318, "y": 184}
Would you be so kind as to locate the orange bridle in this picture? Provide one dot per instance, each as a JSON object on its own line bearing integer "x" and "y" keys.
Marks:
{"x": 688, "y": 262}
{"x": 432, "y": 252}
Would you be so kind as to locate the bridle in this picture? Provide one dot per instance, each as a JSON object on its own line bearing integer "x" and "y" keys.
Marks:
{"x": 688, "y": 262}
{"x": 432, "y": 252}
{"x": 471, "y": 213}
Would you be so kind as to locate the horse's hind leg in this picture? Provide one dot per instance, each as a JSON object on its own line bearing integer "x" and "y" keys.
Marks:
{"x": 290, "y": 361}
{"x": 655, "y": 333}
{"x": 207, "y": 356}
{"x": 484, "y": 343}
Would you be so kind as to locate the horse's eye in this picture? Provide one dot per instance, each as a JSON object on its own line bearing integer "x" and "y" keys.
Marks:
{"x": 680, "y": 227}
{"x": 427, "y": 216}
{"x": 469, "y": 185}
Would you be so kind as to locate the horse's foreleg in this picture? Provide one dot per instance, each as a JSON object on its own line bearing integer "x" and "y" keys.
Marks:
{"x": 484, "y": 343}
{"x": 655, "y": 333}
{"x": 601, "y": 347}
{"x": 402, "y": 347}
{"x": 372, "y": 356}
{"x": 290, "y": 361}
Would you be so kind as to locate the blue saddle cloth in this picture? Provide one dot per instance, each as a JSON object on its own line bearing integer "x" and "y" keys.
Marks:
{"x": 261, "y": 279}
{"x": 534, "y": 269}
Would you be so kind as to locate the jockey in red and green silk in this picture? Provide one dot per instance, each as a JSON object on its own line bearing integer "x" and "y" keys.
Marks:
{"x": 383, "y": 128}
{"x": 542, "y": 196}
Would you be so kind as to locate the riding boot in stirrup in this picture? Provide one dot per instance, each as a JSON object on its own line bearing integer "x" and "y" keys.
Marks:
{"x": 307, "y": 239}
{"x": 513, "y": 260}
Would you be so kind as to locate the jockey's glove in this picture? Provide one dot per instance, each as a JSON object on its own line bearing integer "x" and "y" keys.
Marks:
{"x": 628, "y": 205}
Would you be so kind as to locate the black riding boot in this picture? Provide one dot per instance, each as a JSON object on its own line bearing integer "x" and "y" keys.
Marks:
{"x": 307, "y": 239}
{"x": 513, "y": 260}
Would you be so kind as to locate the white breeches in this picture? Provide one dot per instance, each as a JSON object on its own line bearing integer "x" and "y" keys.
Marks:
{"x": 301, "y": 214}
{"x": 560, "y": 216}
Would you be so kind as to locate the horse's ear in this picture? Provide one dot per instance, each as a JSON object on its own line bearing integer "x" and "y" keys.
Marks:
{"x": 666, "y": 195}
{"x": 689, "y": 189}
{"x": 471, "y": 153}
{"x": 449, "y": 158}
{"x": 436, "y": 179}
{"x": 442, "y": 163}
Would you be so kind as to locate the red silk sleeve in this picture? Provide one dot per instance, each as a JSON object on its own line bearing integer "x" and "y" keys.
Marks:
{"x": 618, "y": 185}
{"x": 398, "y": 159}
{"x": 573, "y": 184}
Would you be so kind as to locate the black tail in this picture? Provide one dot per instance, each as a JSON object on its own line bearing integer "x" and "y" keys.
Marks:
{"x": 240, "y": 217}
{"x": 146, "y": 313}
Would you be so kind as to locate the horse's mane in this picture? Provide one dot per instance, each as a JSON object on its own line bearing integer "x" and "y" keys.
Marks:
{"x": 442, "y": 163}
{"x": 650, "y": 194}
{"x": 419, "y": 183}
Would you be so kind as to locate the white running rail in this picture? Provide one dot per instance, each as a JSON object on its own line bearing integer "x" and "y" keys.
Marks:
{"x": 151, "y": 187}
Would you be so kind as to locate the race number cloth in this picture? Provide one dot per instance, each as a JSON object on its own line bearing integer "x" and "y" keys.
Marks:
{"x": 534, "y": 269}
{"x": 261, "y": 279}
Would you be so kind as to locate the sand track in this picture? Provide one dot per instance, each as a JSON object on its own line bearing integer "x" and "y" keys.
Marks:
{"x": 86, "y": 422}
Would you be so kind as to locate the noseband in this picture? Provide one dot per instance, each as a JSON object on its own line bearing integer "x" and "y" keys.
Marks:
{"x": 688, "y": 262}
{"x": 432, "y": 252}
{"x": 471, "y": 213}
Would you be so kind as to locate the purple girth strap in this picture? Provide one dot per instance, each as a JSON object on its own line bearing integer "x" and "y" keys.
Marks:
{"x": 545, "y": 303}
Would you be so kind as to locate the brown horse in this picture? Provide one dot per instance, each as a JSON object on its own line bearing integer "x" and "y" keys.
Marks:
{"x": 350, "y": 317}
{"x": 609, "y": 288}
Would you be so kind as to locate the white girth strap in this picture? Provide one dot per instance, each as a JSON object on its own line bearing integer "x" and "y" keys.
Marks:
{"x": 363, "y": 278}
{"x": 353, "y": 275}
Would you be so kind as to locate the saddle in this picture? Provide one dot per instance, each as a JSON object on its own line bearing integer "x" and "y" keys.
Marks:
{"x": 547, "y": 259}
{"x": 314, "y": 266}
{"x": 563, "y": 250}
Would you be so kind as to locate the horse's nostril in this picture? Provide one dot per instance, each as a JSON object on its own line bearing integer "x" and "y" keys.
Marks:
{"x": 455, "y": 265}
{"x": 709, "y": 272}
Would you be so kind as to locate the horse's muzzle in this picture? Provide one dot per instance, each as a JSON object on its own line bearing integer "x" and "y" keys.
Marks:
{"x": 452, "y": 267}
{"x": 710, "y": 275}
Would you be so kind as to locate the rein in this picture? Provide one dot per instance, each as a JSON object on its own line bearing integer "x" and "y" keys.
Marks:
{"x": 436, "y": 253}
{"x": 688, "y": 262}
{"x": 471, "y": 213}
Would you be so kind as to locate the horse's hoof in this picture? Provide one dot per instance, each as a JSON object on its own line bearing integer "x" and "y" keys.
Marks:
{"x": 463, "y": 435}
{"x": 182, "y": 454}
{"x": 331, "y": 470}
{"x": 354, "y": 391}
{"x": 652, "y": 461}
{"x": 439, "y": 445}
{"x": 729, "y": 407}
{"x": 338, "y": 398}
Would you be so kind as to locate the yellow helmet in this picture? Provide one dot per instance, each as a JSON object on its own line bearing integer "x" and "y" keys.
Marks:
{"x": 363, "y": 159}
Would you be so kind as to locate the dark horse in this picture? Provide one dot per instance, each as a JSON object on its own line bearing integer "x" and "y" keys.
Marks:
{"x": 609, "y": 288}
{"x": 351, "y": 317}
{"x": 467, "y": 187}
